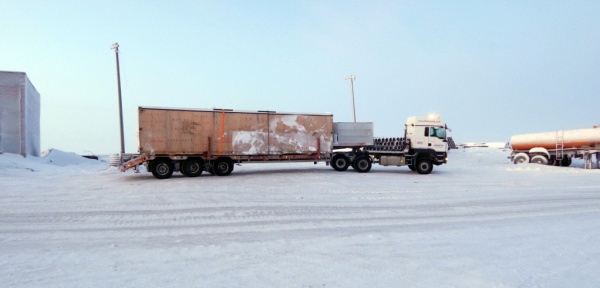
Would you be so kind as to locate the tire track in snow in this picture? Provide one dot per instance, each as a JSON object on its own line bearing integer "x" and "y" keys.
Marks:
{"x": 205, "y": 221}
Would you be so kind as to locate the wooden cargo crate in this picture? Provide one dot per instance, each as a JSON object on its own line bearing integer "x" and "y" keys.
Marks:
{"x": 225, "y": 132}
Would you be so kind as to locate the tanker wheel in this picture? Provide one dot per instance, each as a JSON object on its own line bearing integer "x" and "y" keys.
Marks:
{"x": 162, "y": 168}
{"x": 340, "y": 162}
{"x": 424, "y": 166}
{"x": 566, "y": 162}
{"x": 412, "y": 167}
{"x": 192, "y": 167}
{"x": 521, "y": 158}
{"x": 362, "y": 164}
{"x": 539, "y": 159}
{"x": 223, "y": 167}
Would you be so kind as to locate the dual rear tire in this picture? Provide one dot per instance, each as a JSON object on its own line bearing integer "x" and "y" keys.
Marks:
{"x": 341, "y": 162}
{"x": 362, "y": 164}
{"x": 162, "y": 168}
{"x": 539, "y": 159}
{"x": 192, "y": 167}
{"x": 221, "y": 167}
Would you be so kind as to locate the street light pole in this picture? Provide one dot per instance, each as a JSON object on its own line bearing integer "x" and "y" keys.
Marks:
{"x": 115, "y": 46}
{"x": 351, "y": 78}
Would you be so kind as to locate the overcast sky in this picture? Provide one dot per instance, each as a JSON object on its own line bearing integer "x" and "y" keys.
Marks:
{"x": 491, "y": 69}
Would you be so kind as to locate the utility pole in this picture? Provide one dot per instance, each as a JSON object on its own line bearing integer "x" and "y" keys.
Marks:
{"x": 115, "y": 46}
{"x": 351, "y": 78}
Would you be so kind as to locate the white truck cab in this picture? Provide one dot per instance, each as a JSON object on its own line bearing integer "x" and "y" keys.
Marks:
{"x": 427, "y": 133}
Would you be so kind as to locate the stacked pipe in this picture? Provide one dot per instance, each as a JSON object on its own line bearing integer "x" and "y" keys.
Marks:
{"x": 388, "y": 144}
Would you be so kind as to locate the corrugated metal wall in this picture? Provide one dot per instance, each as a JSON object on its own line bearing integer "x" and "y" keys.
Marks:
{"x": 19, "y": 115}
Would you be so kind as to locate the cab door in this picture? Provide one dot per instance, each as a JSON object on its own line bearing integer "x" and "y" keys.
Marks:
{"x": 420, "y": 139}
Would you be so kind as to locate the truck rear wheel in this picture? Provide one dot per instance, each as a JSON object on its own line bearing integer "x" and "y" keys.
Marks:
{"x": 192, "y": 167}
{"x": 539, "y": 159}
{"x": 424, "y": 166}
{"x": 223, "y": 167}
{"x": 162, "y": 168}
{"x": 340, "y": 162}
{"x": 362, "y": 164}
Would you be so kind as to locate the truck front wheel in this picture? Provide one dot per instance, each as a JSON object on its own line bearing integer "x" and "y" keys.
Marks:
{"x": 162, "y": 168}
{"x": 424, "y": 166}
{"x": 340, "y": 162}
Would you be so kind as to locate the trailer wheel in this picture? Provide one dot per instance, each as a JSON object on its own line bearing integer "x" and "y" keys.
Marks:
{"x": 162, "y": 168}
{"x": 223, "y": 167}
{"x": 539, "y": 159}
{"x": 566, "y": 162}
{"x": 424, "y": 166}
{"x": 362, "y": 164}
{"x": 340, "y": 162}
{"x": 192, "y": 167}
{"x": 521, "y": 158}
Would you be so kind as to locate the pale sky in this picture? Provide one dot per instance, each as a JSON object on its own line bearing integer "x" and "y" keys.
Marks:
{"x": 491, "y": 69}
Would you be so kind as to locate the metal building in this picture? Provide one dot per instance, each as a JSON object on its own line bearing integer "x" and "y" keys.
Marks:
{"x": 19, "y": 115}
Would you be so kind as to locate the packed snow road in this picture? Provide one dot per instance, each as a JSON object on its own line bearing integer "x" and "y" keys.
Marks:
{"x": 478, "y": 221}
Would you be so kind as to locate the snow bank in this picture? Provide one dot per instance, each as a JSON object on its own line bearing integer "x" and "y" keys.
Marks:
{"x": 51, "y": 159}
{"x": 61, "y": 158}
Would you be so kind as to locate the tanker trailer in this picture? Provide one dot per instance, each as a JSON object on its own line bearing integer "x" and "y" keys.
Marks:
{"x": 556, "y": 148}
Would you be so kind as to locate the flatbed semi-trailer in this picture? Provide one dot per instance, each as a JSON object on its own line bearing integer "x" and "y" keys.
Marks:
{"x": 191, "y": 141}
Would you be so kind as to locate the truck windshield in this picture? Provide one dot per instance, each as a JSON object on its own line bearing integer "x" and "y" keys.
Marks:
{"x": 439, "y": 132}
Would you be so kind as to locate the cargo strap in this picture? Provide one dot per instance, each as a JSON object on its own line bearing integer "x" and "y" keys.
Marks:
{"x": 222, "y": 132}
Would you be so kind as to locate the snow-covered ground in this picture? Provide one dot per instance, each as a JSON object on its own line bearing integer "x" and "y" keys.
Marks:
{"x": 478, "y": 221}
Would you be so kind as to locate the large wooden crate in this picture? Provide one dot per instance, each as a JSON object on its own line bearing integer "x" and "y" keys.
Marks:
{"x": 226, "y": 132}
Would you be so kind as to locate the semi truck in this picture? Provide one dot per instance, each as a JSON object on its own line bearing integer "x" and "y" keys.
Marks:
{"x": 192, "y": 141}
{"x": 556, "y": 148}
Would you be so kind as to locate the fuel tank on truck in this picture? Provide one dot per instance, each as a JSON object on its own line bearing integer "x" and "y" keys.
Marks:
{"x": 570, "y": 138}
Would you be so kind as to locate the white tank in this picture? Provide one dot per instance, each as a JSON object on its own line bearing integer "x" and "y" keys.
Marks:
{"x": 571, "y": 139}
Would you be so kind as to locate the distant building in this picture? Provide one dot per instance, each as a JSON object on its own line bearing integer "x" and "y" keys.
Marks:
{"x": 19, "y": 115}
